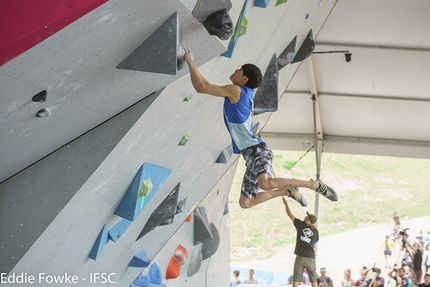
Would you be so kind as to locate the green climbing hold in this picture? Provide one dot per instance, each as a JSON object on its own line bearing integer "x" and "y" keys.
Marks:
{"x": 279, "y": 2}
{"x": 183, "y": 140}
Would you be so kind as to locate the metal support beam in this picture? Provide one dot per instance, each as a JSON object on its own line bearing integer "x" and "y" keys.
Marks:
{"x": 318, "y": 155}
{"x": 370, "y": 97}
{"x": 379, "y": 47}
{"x": 314, "y": 92}
{"x": 318, "y": 129}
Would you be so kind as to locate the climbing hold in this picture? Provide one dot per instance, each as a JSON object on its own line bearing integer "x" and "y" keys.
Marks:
{"x": 225, "y": 155}
{"x": 305, "y": 49}
{"x": 145, "y": 188}
{"x": 219, "y": 24}
{"x": 196, "y": 259}
{"x": 188, "y": 97}
{"x": 204, "y": 8}
{"x": 131, "y": 204}
{"x": 266, "y": 97}
{"x": 162, "y": 52}
{"x": 255, "y": 129}
{"x": 287, "y": 56}
{"x": 141, "y": 259}
{"x": 183, "y": 141}
{"x": 40, "y": 97}
{"x": 279, "y": 2}
{"x": 43, "y": 113}
{"x": 141, "y": 281}
{"x": 100, "y": 244}
{"x": 154, "y": 274}
{"x": 261, "y": 3}
{"x": 240, "y": 30}
{"x": 163, "y": 214}
{"x": 225, "y": 209}
{"x": 209, "y": 247}
{"x": 173, "y": 268}
{"x": 181, "y": 254}
{"x": 181, "y": 206}
{"x": 202, "y": 231}
{"x": 116, "y": 232}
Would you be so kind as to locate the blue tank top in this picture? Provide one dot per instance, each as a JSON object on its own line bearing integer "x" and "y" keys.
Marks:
{"x": 238, "y": 120}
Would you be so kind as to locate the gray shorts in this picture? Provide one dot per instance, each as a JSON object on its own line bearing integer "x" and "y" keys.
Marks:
{"x": 258, "y": 160}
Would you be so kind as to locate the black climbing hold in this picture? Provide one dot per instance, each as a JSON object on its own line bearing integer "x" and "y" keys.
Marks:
{"x": 40, "y": 97}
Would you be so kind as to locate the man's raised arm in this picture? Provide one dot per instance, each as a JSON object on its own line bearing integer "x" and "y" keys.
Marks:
{"x": 287, "y": 209}
{"x": 201, "y": 85}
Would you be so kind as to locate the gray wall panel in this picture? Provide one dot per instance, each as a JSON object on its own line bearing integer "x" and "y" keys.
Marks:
{"x": 31, "y": 200}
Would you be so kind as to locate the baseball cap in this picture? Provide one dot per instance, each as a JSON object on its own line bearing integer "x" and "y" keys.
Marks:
{"x": 323, "y": 269}
{"x": 312, "y": 218}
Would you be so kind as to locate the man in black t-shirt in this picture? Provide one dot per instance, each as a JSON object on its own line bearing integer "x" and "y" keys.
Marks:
{"x": 306, "y": 240}
{"x": 426, "y": 281}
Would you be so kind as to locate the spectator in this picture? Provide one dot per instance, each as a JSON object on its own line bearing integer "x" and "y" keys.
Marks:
{"x": 426, "y": 238}
{"x": 427, "y": 259}
{"x": 290, "y": 280}
{"x": 347, "y": 281}
{"x": 414, "y": 251}
{"x": 236, "y": 280}
{"x": 426, "y": 282}
{"x": 251, "y": 279}
{"x": 323, "y": 280}
{"x": 362, "y": 280}
{"x": 387, "y": 246}
{"x": 378, "y": 281}
{"x": 400, "y": 278}
{"x": 305, "y": 279}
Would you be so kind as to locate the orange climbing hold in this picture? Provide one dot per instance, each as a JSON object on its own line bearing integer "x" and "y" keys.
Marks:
{"x": 181, "y": 254}
{"x": 173, "y": 269}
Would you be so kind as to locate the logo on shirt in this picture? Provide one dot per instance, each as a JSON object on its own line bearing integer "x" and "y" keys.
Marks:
{"x": 307, "y": 232}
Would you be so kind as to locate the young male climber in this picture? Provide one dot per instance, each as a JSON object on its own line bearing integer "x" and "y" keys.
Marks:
{"x": 238, "y": 102}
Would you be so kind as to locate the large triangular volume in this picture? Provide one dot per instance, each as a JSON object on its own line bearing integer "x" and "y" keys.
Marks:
{"x": 266, "y": 97}
{"x": 202, "y": 231}
{"x": 305, "y": 49}
{"x": 161, "y": 52}
{"x": 204, "y": 8}
{"x": 138, "y": 194}
{"x": 287, "y": 56}
{"x": 211, "y": 246}
{"x": 164, "y": 212}
{"x": 100, "y": 244}
{"x": 240, "y": 29}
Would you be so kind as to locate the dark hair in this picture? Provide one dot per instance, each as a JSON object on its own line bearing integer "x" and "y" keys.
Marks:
{"x": 254, "y": 75}
{"x": 237, "y": 272}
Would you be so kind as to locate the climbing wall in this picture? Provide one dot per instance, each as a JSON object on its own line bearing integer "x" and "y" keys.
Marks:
{"x": 149, "y": 205}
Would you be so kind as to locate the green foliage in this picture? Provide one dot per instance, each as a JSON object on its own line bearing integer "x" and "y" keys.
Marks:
{"x": 370, "y": 188}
